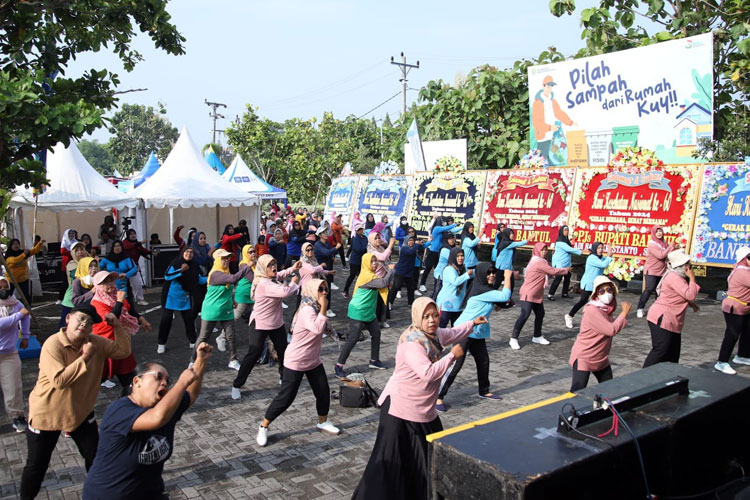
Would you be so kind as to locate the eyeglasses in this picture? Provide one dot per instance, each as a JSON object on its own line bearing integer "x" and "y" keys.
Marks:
{"x": 251, "y": 251}
{"x": 84, "y": 319}
{"x": 322, "y": 289}
{"x": 492, "y": 271}
{"x": 308, "y": 249}
{"x": 159, "y": 376}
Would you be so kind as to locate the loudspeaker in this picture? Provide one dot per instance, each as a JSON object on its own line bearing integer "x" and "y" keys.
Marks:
{"x": 163, "y": 255}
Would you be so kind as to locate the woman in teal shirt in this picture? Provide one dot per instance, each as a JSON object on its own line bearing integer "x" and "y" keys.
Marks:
{"x": 561, "y": 258}
{"x": 482, "y": 299}
{"x": 596, "y": 263}
{"x": 506, "y": 252}
{"x": 450, "y": 300}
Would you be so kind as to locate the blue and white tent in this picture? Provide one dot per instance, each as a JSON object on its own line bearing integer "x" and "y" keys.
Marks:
{"x": 240, "y": 174}
{"x": 213, "y": 159}
{"x": 149, "y": 169}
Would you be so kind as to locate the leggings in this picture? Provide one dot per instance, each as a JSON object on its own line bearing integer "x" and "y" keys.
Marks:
{"x": 581, "y": 377}
{"x": 290, "y": 382}
{"x": 354, "y": 270}
{"x": 207, "y": 328}
{"x": 255, "y": 349}
{"x": 355, "y": 328}
{"x": 526, "y": 308}
{"x": 165, "y": 325}
{"x": 556, "y": 282}
{"x": 398, "y": 282}
{"x": 448, "y": 317}
{"x": 738, "y": 328}
{"x": 665, "y": 345}
{"x": 478, "y": 349}
{"x": 429, "y": 263}
{"x": 651, "y": 283}
{"x": 342, "y": 254}
{"x": 585, "y": 294}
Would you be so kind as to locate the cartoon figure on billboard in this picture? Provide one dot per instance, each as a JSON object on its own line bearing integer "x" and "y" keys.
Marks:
{"x": 547, "y": 119}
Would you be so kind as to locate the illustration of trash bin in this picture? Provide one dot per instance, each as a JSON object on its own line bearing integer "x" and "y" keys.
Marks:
{"x": 599, "y": 144}
{"x": 577, "y": 150}
{"x": 624, "y": 137}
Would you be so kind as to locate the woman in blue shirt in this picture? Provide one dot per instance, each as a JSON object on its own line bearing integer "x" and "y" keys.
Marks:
{"x": 449, "y": 241}
{"x": 596, "y": 263}
{"x": 441, "y": 225}
{"x": 506, "y": 252}
{"x": 405, "y": 270}
{"x": 450, "y": 300}
{"x": 561, "y": 258}
{"x": 359, "y": 248}
{"x": 481, "y": 300}
{"x": 117, "y": 261}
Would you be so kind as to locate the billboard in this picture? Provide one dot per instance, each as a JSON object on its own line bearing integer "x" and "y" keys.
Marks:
{"x": 340, "y": 199}
{"x": 383, "y": 195}
{"x": 582, "y": 111}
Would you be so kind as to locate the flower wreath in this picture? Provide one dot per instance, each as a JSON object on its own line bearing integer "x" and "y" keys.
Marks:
{"x": 448, "y": 164}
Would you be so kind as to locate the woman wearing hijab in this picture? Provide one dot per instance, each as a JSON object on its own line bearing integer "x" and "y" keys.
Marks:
{"x": 202, "y": 253}
{"x": 560, "y": 259}
{"x": 506, "y": 252}
{"x": 14, "y": 317}
{"x": 17, "y": 264}
{"x": 277, "y": 246}
{"x": 297, "y": 236}
{"x": 369, "y": 223}
{"x": 532, "y": 294}
{"x": 675, "y": 292}
{"x": 469, "y": 242}
{"x": 337, "y": 236}
{"x": 312, "y": 269}
{"x": 117, "y": 261}
{"x": 449, "y": 242}
{"x": 450, "y": 300}
{"x": 358, "y": 249}
{"x": 302, "y": 359}
{"x": 135, "y": 249}
{"x": 77, "y": 252}
{"x": 596, "y": 263}
{"x": 397, "y": 468}
{"x": 325, "y": 253}
{"x": 481, "y": 300}
{"x": 405, "y": 269}
{"x": 590, "y": 353}
{"x": 181, "y": 282}
{"x": 369, "y": 289}
{"x": 218, "y": 308}
{"x": 402, "y": 230}
{"x": 655, "y": 266}
{"x": 267, "y": 293}
{"x": 230, "y": 241}
{"x": 436, "y": 233}
{"x": 70, "y": 236}
{"x": 83, "y": 284}
{"x": 736, "y": 309}
{"x": 377, "y": 247}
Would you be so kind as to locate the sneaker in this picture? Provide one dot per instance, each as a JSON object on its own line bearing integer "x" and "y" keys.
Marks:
{"x": 280, "y": 380}
{"x": 417, "y": 293}
{"x": 262, "y": 438}
{"x": 722, "y": 367}
{"x": 108, "y": 384}
{"x": 540, "y": 340}
{"x": 161, "y": 349}
{"x": 58, "y": 302}
{"x": 19, "y": 424}
{"x": 441, "y": 408}
{"x": 398, "y": 294}
{"x": 236, "y": 393}
{"x": 221, "y": 344}
{"x": 330, "y": 314}
{"x": 334, "y": 287}
{"x": 551, "y": 298}
{"x": 234, "y": 365}
{"x": 490, "y": 396}
{"x": 565, "y": 296}
{"x": 346, "y": 295}
{"x": 513, "y": 343}
{"x": 385, "y": 324}
{"x": 741, "y": 361}
{"x": 328, "y": 428}
{"x": 142, "y": 303}
{"x": 377, "y": 364}
{"x": 639, "y": 313}
{"x": 284, "y": 306}
{"x": 390, "y": 307}
{"x": 568, "y": 321}
{"x": 422, "y": 288}
{"x": 339, "y": 371}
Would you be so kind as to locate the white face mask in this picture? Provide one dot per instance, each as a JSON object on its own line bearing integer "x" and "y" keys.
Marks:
{"x": 87, "y": 280}
{"x": 606, "y": 298}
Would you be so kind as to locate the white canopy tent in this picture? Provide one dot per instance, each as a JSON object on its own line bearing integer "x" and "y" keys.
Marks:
{"x": 240, "y": 175}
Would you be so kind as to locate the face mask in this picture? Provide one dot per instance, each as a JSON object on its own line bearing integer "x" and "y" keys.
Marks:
{"x": 87, "y": 280}
{"x": 606, "y": 298}
{"x": 4, "y": 293}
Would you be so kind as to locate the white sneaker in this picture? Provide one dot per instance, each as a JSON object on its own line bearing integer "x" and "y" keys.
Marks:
{"x": 422, "y": 288}
{"x": 513, "y": 343}
{"x": 540, "y": 340}
{"x": 142, "y": 303}
{"x": 108, "y": 384}
{"x": 328, "y": 428}
{"x": 221, "y": 344}
{"x": 236, "y": 393}
{"x": 334, "y": 287}
{"x": 724, "y": 368}
{"x": 569, "y": 321}
{"x": 160, "y": 349}
{"x": 385, "y": 324}
{"x": 234, "y": 365}
{"x": 281, "y": 380}
{"x": 284, "y": 306}
{"x": 741, "y": 361}
{"x": 639, "y": 313}
{"x": 398, "y": 294}
{"x": 330, "y": 314}
{"x": 417, "y": 293}
{"x": 262, "y": 438}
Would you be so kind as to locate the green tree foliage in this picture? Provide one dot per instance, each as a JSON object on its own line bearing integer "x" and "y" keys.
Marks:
{"x": 138, "y": 130}
{"x": 97, "y": 155}
{"x": 617, "y": 25}
{"x": 40, "y": 105}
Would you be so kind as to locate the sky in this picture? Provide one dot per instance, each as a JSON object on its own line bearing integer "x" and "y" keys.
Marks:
{"x": 295, "y": 58}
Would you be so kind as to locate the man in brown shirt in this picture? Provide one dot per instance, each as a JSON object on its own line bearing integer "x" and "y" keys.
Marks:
{"x": 70, "y": 371}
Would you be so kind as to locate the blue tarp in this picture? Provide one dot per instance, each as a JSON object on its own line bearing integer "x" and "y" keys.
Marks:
{"x": 149, "y": 169}
{"x": 214, "y": 161}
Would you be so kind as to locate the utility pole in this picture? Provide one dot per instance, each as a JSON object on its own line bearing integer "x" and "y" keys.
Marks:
{"x": 213, "y": 114}
{"x": 405, "y": 68}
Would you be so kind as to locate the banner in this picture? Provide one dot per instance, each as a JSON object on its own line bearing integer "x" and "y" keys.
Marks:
{"x": 341, "y": 197}
{"x": 534, "y": 202}
{"x": 383, "y": 195}
{"x": 618, "y": 207}
{"x": 722, "y": 223}
{"x": 458, "y": 195}
{"x": 660, "y": 97}
{"x": 415, "y": 144}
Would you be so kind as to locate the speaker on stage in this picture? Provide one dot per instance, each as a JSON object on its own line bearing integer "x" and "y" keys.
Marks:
{"x": 163, "y": 255}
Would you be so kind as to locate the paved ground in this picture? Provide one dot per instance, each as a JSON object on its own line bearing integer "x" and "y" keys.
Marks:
{"x": 215, "y": 452}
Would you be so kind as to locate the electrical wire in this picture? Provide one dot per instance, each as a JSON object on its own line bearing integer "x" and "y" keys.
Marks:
{"x": 573, "y": 429}
{"x": 637, "y": 446}
{"x": 381, "y": 104}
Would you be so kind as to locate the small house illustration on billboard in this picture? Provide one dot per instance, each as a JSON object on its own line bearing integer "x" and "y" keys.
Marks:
{"x": 693, "y": 123}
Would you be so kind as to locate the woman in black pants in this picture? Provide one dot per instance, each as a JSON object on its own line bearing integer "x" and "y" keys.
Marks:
{"x": 736, "y": 309}
{"x": 359, "y": 248}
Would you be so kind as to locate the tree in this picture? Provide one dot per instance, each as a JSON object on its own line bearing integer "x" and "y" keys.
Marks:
{"x": 138, "y": 130}
{"x": 41, "y": 106}
{"x": 98, "y": 156}
{"x": 614, "y": 26}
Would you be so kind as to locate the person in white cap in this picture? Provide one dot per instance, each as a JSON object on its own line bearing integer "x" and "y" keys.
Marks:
{"x": 590, "y": 353}
{"x": 676, "y": 291}
{"x": 736, "y": 309}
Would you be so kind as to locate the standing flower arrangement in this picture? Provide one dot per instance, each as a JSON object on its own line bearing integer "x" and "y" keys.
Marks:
{"x": 389, "y": 167}
{"x": 533, "y": 159}
{"x": 624, "y": 268}
{"x": 448, "y": 164}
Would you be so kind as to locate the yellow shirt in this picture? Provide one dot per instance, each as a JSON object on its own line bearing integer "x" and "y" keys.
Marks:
{"x": 18, "y": 265}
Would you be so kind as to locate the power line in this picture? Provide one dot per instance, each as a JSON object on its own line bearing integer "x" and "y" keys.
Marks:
{"x": 379, "y": 105}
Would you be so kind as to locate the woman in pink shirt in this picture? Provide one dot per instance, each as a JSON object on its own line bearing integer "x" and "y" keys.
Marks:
{"x": 736, "y": 309}
{"x": 302, "y": 358}
{"x": 590, "y": 352}
{"x": 382, "y": 252}
{"x": 676, "y": 291}
{"x": 268, "y": 294}
{"x": 532, "y": 292}
{"x": 655, "y": 265}
{"x": 398, "y": 464}
{"x": 310, "y": 268}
